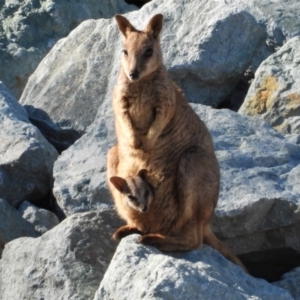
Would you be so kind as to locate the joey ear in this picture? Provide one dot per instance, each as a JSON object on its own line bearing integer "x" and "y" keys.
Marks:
{"x": 118, "y": 182}
{"x": 143, "y": 173}
{"x": 124, "y": 25}
{"x": 155, "y": 25}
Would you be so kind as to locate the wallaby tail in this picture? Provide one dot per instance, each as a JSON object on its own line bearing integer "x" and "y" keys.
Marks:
{"x": 210, "y": 239}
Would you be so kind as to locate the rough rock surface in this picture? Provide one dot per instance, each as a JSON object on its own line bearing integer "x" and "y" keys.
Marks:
{"x": 139, "y": 272}
{"x": 281, "y": 21}
{"x": 67, "y": 262}
{"x": 290, "y": 281}
{"x": 26, "y": 158}
{"x": 279, "y": 18}
{"x": 259, "y": 201}
{"x": 77, "y": 76}
{"x": 274, "y": 95}
{"x": 42, "y": 219}
{"x": 12, "y": 225}
{"x": 80, "y": 172}
{"x": 29, "y": 29}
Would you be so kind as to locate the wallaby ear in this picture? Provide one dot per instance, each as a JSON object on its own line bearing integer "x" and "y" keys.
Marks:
{"x": 124, "y": 25}
{"x": 118, "y": 182}
{"x": 143, "y": 173}
{"x": 155, "y": 25}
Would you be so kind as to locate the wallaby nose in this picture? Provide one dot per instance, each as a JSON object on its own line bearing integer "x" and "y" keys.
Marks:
{"x": 144, "y": 208}
{"x": 134, "y": 75}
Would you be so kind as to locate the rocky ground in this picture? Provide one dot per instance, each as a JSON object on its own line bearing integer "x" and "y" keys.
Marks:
{"x": 29, "y": 29}
{"x": 56, "y": 214}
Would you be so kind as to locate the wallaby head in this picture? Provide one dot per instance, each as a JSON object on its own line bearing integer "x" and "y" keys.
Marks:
{"x": 141, "y": 53}
{"x": 136, "y": 191}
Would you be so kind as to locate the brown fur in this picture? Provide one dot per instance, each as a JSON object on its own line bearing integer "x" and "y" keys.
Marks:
{"x": 157, "y": 130}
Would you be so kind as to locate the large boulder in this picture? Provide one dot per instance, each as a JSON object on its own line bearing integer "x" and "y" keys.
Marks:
{"x": 258, "y": 209}
{"x": 29, "y": 29}
{"x": 67, "y": 262}
{"x": 139, "y": 272}
{"x": 207, "y": 46}
{"x": 274, "y": 95}
{"x": 12, "y": 225}
{"x": 26, "y": 158}
{"x": 259, "y": 195}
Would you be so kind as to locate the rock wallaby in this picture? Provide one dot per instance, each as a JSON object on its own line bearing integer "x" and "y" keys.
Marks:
{"x": 158, "y": 131}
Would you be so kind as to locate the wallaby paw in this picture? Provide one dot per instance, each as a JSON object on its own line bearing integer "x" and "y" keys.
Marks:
{"x": 123, "y": 232}
{"x": 149, "y": 240}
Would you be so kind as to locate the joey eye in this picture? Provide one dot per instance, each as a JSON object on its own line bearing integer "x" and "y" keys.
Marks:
{"x": 149, "y": 52}
{"x": 125, "y": 52}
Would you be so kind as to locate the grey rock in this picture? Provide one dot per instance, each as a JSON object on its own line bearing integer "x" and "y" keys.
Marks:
{"x": 80, "y": 172}
{"x": 279, "y": 18}
{"x": 67, "y": 262}
{"x": 293, "y": 138}
{"x": 207, "y": 46}
{"x": 42, "y": 219}
{"x": 12, "y": 225}
{"x": 290, "y": 281}
{"x": 29, "y": 29}
{"x": 26, "y": 158}
{"x": 139, "y": 272}
{"x": 274, "y": 95}
{"x": 259, "y": 201}
{"x": 75, "y": 79}
{"x": 202, "y": 47}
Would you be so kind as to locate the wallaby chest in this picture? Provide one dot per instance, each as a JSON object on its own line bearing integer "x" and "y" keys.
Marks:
{"x": 141, "y": 102}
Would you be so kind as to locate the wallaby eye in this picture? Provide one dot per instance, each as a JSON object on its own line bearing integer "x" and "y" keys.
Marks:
{"x": 149, "y": 52}
{"x": 146, "y": 193}
{"x": 132, "y": 198}
{"x": 125, "y": 52}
